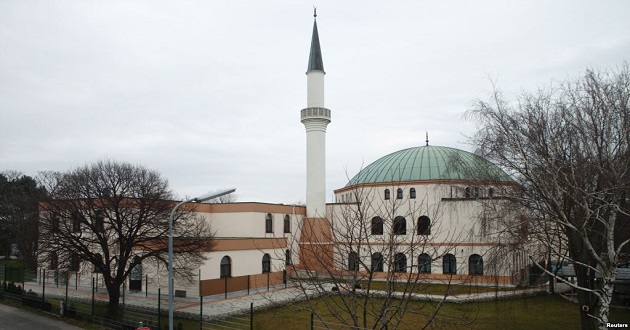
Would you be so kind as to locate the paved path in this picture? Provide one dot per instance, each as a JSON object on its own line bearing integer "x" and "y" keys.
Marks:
{"x": 15, "y": 318}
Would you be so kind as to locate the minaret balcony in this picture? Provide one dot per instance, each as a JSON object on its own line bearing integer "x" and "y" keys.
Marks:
{"x": 315, "y": 113}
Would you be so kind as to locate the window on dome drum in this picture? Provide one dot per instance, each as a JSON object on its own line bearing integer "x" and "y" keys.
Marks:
{"x": 226, "y": 267}
{"x": 54, "y": 223}
{"x": 449, "y": 264}
{"x": 268, "y": 223}
{"x": 377, "y": 226}
{"x": 387, "y": 194}
{"x": 476, "y": 192}
{"x": 287, "y": 257}
{"x": 412, "y": 193}
{"x": 399, "y": 193}
{"x": 266, "y": 263}
{"x": 490, "y": 192}
{"x": 424, "y": 264}
{"x": 377, "y": 262}
{"x": 54, "y": 260}
{"x": 75, "y": 263}
{"x": 287, "y": 223}
{"x": 475, "y": 265}
{"x": 467, "y": 193}
{"x": 424, "y": 225}
{"x": 353, "y": 261}
{"x": 400, "y": 263}
{"x": 400, "y": 225}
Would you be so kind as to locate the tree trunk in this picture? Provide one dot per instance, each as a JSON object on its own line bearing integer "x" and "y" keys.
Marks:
{"x": 114, "y": 299}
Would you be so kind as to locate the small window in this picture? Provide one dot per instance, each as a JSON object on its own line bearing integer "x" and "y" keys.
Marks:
{"x": 99, "y": 260}
{"x": 424, "y": 264}
{"x": 399, "y": 193}
{"x": 377, "y": 226}
{"x": 287, "y": 224}
{"x": 99, "y": 221}
{"x": 287, "y": 257}
{"x": 400, "y": 263}
{"x": 467, "y": 193}
{"x": 400, "y": 225}
{"x": 75, "y": 263}
{"x": 268, "y": 223}
{"x": 475, "y": 265}
{"x": 54, "y": 223}
{"x": 353, "y": 261}
{"x": 387, "y": 194}
{"x": 226, "y": 267}
{"x": 76, "y": 222}
{"x": 424, "y": 225}
{"x": 412, "y": 193}
{"x": 449, "y": 264}
{"x": 266, "y": 263}
{"x": 490, "y": 192}
{"x": 476, "y": 192}
{"x": 377, "y": 262}
{"x": 54, "y": 261}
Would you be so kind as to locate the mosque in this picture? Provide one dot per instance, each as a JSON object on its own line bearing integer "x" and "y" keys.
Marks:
{"x": 433, "y": 212}
{"x": 422, "y": 211}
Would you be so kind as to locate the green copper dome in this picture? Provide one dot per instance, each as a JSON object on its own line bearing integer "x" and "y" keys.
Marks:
{"x": 429, "y": 163}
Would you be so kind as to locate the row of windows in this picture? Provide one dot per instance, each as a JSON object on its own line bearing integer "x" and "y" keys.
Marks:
{"x": 78, "y": 219}
{"x": 400, "y": 194}
{"x": 449, "y": 263}
{"x": 400, "y": 226}
{"x": 226, "y": 264}
{"x": 269, "y": 223}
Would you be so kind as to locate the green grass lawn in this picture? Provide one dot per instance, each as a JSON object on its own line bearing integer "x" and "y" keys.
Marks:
{"x": 541, "y": 312}
{"x": 436, "y": 289}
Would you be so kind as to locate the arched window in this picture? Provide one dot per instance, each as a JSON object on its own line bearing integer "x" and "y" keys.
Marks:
{"x": 135, "y": 274}
{"x": 475, "y": 264}
{"x": 99, "y": 260}
{"x": 399, "y": 193}
{"x": 400, "y": 263}
{"x": 268, "y": 223}
{"x": 412, "y": 193}
{"x": 377, "y": 262}
{"x": 75, "y": 262}
{"x": 490, "y": 192}
{"x": 476, "y": 192}
{"x": 226, "y": 267}
{"x": 54, "y": 261}
{"x": 353, "y": 261}
{"x": 99, "y": 221}
{"x": 424, "y": 225}
{"x": 400, "y": 225}
{"x": 287, "y": 223}
{"x": 467, "y": 193}
{"x": 266, "y": 263}
{"x": 377, "y": 226}
{"x": 76, "y": 222}
{"x": 449, "y": 264}
{"x": 424, "y": 264}
{"x": 287, "y": 257}
{"x": 387, "y": 194}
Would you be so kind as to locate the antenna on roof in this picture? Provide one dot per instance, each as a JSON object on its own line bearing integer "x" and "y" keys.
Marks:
{"x": 427, "y": 139}
{"x": 314, "y": 11}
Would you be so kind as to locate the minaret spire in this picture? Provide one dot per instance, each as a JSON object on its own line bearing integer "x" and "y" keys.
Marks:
{"x": 315, "y": 118}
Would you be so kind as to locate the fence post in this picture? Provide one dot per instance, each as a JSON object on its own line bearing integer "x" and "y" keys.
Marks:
{"x": 251, "y": 316}
{"x": 76, "y": 280}
{"x": 123, "y": 302}
{"x": 225, "y": 287}
{"x": 146, "y": 285}
{"x": 248, "y": 283}
{"x": 92, "y": 314}
{"x": 57, "y": 277}
{"x": 267, "y": 281}
{"x": 66, "y": 301}
{"x": 44, "y": 285}
{"x": 312, "y": 318}
{"x": 200, "y": 311}
{"x": 23, "y": 278}
{"x": 159, "y": 307}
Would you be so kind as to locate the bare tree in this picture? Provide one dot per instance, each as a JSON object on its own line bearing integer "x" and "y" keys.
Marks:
{"x": 114, "y": 216}
{"x": 229, "y": 198}
{"x": 368, "y": 257}
{"x": 569, "y": 148}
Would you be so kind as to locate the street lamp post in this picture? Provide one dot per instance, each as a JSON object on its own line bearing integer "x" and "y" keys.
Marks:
{"x": 199, "y": 199}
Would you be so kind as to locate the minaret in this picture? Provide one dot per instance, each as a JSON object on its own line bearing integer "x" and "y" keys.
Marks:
{"x": 315, "y": 118}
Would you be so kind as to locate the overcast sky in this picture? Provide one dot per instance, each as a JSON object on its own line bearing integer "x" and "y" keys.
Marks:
{"x": 209, "y": 93}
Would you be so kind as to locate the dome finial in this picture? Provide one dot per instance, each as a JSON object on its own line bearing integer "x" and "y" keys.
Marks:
{"x": 427, "y": 139}
{"x": 314, "y": 11}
